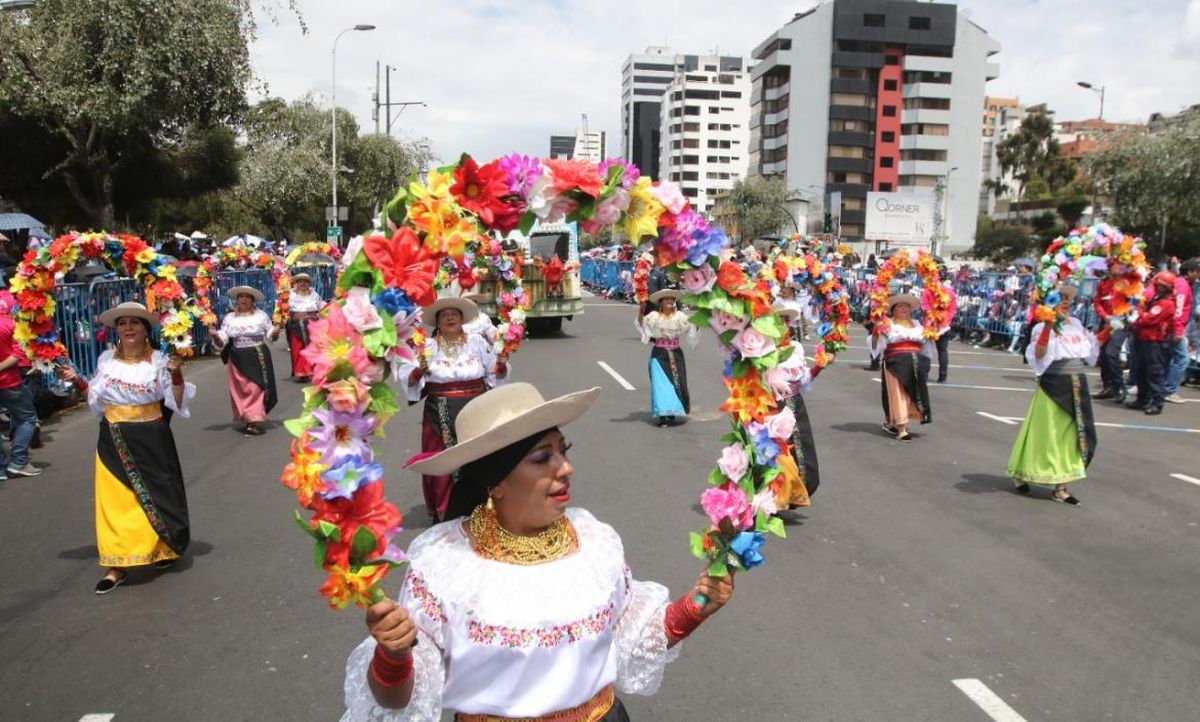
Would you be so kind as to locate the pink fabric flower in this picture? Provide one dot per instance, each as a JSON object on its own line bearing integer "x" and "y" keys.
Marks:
{"x": 670, "y": 195}
{"x": 780, "y": 381}
{"x": 727, "y": 501}
{"x": 733, "y": 462}
{"x": 348, "y": 396}
{"x": 722, "y": 322}
{"x": 781, "y": 425}
{"x": 765, "y": 502}
{"x": 335, "y": 348}
{"x": 752, "y": 344}
{"x": 699, "y": 280}
{"x": 359, "y": 310}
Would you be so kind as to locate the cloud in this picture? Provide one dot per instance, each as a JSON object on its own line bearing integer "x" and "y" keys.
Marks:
{"x": 503, "y": 75}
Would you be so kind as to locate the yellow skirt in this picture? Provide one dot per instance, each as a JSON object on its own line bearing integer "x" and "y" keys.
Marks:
{"x": 789, "y": 487}
{"x": 124, "y": 536}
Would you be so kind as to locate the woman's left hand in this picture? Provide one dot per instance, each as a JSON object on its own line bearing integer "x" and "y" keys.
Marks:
{"x": 501, "y": 368}
{"x": 274, "y": 333}
{"x": 717, "y": 590}
{"x": 174, "y": 363}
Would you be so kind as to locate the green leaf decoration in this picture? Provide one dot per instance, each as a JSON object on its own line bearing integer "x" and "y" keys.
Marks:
{"x": 715, "y": 477}
{"x": 297, "y": 427}
{"x": 527, "y": 222}
{"x": 304, "y": 525}
{"x": 329, "y": 530}
{"x": 383, "y": 399}
{"x": 377, "y": 341}
{"x": 699, "y": 318}
{"x": 769, "y": 325}
{"x": 697, "y": 543}
{"x": 364, "y": 543}
{"x": 718, "y": 569}
{"x": 319, "y": 553}
{"x": 775, "y": 526}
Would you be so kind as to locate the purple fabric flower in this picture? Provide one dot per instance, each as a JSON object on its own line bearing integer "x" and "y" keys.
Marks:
{"x": 631, "y": 176}
{"x": 341, "y": 435}
{"x": 708, "y": 243}
{"x": 349, "y": 476}
{"x": 520, "y": 171}
{"x": 765, "y": 448}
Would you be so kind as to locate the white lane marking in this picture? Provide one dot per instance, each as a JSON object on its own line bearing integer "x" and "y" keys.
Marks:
{"x": 96, "y": 717}
{"x": 1188, "y": 479}
{"x": 1002, "y": 419}
{"x": 954, "y": 350}
{"x": 620, "y": 379}
{"x": 609, "y": 305}
{"x": 983, "y": 388}
{"x": 987, "y": 700}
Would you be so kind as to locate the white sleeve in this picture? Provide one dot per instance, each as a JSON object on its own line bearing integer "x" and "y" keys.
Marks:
{"x": 1093, "y": 349}
{"x": 643, "y": 328}
{"x": 693, "y": 335}
{"x": 226, "y": 326}
{"x": 97, "y": 384}
{"x": 429, "y": 678}
{"x": 1039, "y": 365}
{"x": 640, "y": 639}
{"x": 879, "y": 342}
{"x": 159, "y": 363}
{"x": 487, "y": 357}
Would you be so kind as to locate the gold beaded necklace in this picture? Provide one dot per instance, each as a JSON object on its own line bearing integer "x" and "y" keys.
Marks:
{"x": 143, "y": 355}
{"x": 493, "y": 541}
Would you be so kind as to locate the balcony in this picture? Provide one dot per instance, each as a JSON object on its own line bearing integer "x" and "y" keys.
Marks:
{"x": 924, "y": 167}
{"x": 924, "y": 142}
{"x": 776, "y": 168}
{"x": 772, "y": 143}
{"x": 773, "y": 118}
{"x": 992, "y": 71}
{"x": 849, "y": 165}
{"x": 847, "y": 137}
{"x": 927, "y": 90}
{"x": 939, "y": 117}
{"x": 776, "y": 92}
{"x": 851, "y": 85}
{"x": 929, "y": 63}
{"x": 849, "y": 59}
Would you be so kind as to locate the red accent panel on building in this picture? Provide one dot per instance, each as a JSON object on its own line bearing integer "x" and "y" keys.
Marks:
{"x": 889, "y": 124}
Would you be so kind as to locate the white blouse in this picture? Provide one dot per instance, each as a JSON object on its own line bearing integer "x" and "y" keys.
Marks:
{"x": 655, "y": 325}
{"x": 482, "y": 326}
{"x": 245, "y": 330}
{"x": 117, "y": 383}
{"x": 794, "y": 371}
{"x": 475, "y": 360}
{"x": 1073, "y": 341}
{"x": 310, "y": 302}
{"x": 520, "y": 641}
{"x": 898, "y": 333}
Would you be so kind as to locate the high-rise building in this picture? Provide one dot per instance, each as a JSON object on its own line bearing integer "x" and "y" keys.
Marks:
{"x": 590, "y": 146}
{"x": 875, "y": 95}
{"x": 705, "y": 129}
{"x": 1001, "y": 118}
{"x": 644, "y": 79}
{"x": 562, "y": 146}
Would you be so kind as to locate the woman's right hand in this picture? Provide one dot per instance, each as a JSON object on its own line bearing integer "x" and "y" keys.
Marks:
{"x": 392, "y": 628}
{"x": 415, "y": 377}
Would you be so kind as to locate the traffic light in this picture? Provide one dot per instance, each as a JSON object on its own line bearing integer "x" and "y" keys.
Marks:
{"x": 828, "y": 223}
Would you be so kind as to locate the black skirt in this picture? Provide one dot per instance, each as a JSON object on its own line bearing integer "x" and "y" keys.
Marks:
{"x": 907, "y": 368}
{"x": 254, "y": 362}
{"x": 804, "y": 446}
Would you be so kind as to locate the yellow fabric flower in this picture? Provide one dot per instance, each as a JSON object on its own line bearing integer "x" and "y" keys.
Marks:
{"x": 344, "y": 587}
{"x": 641, "y": 219}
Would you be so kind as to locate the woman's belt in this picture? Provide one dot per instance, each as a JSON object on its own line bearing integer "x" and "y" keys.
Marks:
{"x": 247, "y": 341}
{"x": 117, "y": 414}
{"x": 1067, "y": 366}
{"x": 903, "y": 347}
{"x": 304, "y": 314}
{"x": 591, "y": 711}
{"x": 667, "y": 343}
{"x": 456, "y": 389}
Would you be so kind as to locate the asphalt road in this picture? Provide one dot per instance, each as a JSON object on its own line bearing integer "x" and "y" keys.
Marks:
{"x": 915, "y": 567}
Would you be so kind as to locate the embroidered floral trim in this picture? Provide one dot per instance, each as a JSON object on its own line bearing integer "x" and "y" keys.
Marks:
{"x": 135, "y": 560}
{"x": 431, "y": 606}
{"x": 130, "y": 387}
{"x": 546, "y": 637}
{"x": 1080, "y": 425}
{"x": 135, "y": 481}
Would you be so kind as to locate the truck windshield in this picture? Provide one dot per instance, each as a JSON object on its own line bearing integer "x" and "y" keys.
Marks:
{"x": 548, "y": 244}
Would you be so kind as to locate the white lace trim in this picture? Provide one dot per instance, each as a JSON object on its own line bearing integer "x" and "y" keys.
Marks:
{"x": 429, "y": 675}
{"x": 641, "y": 640}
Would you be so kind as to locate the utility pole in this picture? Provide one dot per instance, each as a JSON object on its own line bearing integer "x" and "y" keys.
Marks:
{"x": 375, "y": 99}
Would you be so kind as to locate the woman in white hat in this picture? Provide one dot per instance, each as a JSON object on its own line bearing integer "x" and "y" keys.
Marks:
{"x": 663, "y": 328}
{"x": 901, "y": 341}
{"x": 242, "y": 339}
{"x": 303, "y": 306}
{"x": 789, "y": 380}
{"x": 518, "y": 607}
{"x": 1058, "y": 437}
{"x": 141, "y": 506}
{"x": 456, "y": 367}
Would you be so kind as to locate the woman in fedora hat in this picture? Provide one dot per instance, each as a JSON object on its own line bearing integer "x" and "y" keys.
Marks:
{"x": 455, "y": 367}
{"x": 789, "y": 380}
{"x": 668, "y": 372}
{"x": 518, "y": 607}
{"x": 141, "y": 507}
{"x": 1058, "y": 437}
{"x": 902, "y": 342}
{"x": 242, "y": 339}
{"x": 303, "y": 307}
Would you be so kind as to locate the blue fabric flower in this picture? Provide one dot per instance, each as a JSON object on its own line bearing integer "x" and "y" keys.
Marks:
{"x": 1053, "y": 298}
{"x": 765, "y": 448}
{"x": 746, "y": 545}
{"x": 393, "y": 300}
{"x": 348, "y": 476}
{"x": 707, "y": 245}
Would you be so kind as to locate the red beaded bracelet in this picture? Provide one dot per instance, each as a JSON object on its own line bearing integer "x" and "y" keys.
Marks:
{"x": 682, "y": 618}
{"x": 387, "y": 671}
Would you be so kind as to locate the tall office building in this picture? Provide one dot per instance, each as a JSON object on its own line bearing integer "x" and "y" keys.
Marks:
{"x": 705, "y": 129}
{"x": 562, "y": 146}
{"x": 644, "y": 79}
{"x": 874, "y": 95}
{"x": 591, "y": 146}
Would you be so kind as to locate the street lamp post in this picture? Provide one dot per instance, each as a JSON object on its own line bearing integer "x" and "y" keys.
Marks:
{"x": 1095, "y": 181}
{"x": 333, "y": 167}
{"x": 943, "y": 202}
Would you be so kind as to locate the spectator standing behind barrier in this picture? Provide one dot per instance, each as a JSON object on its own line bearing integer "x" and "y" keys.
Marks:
{"x": 17, "y": 400}
{"x": 1154, "y": 328}
{"x": 1112, "y": 376}
{"x": 1178, "y": 352}
{"x": 943, "y": 339}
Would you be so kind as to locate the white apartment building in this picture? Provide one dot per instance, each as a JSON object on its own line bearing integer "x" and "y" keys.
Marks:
{"x": 705, "y": 122}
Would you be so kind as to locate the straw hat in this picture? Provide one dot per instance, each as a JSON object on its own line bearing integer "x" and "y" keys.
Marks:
{"x": 301, "y": 277}
{"x": 129, "y": 309}
{"x": 666, "y": 293}
{"x": 248, "y": 290}
{"x": 789, "y": 314}
{"x": 465, "y": 306}
{"x": 912, "y": 301}
{"x": 504, "y": 416}
{"x": 1068, "y": 291}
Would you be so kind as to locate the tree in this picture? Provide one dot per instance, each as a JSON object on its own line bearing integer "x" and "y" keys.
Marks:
{"x": 759, "y": 206}
{"x": 113, "y": 79}
{"x": 1033, "y": 152}
{"x": 1002, "y": 243}
{"x": 1070, "y": 202}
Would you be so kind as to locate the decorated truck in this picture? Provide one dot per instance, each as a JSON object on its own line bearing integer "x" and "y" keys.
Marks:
{"x": 549, "y": 275}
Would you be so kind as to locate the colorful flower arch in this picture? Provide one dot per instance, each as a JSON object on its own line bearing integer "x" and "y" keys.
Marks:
{"x": 491, "y": 261}
{"x": 387, "y": 277}
{"x": 833, "y": 324}
{"x": 33, "y": 286}
{"x": 1090, "y": 253}
{"x": 236, "y": 256}
{"x": 935, "y": 300}
{"x": 312, "y": 247}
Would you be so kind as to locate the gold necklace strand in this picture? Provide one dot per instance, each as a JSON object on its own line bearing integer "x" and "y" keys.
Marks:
{"x": 493, "y": 541}
{"x": 451, "y": 349}
{"x": 144, "y": 355}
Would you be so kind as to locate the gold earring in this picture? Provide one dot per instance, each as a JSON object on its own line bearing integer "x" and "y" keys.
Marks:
{"x": 491, "y": 505}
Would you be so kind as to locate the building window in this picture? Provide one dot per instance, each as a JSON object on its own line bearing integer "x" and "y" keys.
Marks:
{"x": 854, "y": 100}
{"x": 874, "y": 20}
{"x": 885, "y": 187}
{"x": 839, "y": 177}
{"x": 888, "y": 136}
{"x": 887, "y": 161}
{"x": 891, "y": 60}
{"x": 890, "y": 85}
{"x": 918, "y": 23}
{"x": 889, "y": 111}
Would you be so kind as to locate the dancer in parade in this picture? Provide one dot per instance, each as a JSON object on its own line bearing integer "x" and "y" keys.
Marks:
{"x": 304, "y": 305}
{"x": 242, "y": 339}
{"x": 789, "y": 380}
{"x": 1057, "y": 440}
{"x": 663, "y": 328}
{"x": 901, "y": 343}
{"x": 454, "y": 368}
{"x": 141, "y": 506}
{"x": 518, "y": 607}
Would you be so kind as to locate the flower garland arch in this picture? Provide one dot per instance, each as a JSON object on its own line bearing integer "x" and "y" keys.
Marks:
{"x": 935, "y": 300}
{"x": 312, "y": 247}
{"x": 236, "y": 256}
{"x": 386, "y": 278}
{"x": 33, "y": 286}
{"x": 833, "y": 324}
{"x": 1092, "y": 252}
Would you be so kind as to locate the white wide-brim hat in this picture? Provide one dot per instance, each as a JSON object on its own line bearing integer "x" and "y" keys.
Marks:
{"x": 248, "y": 290}
{"x": 129, "y": 309}
{"x": 912, "y": 301}
{"x": 789, "y": 314}
{"x": 666, "y": 293}
{"x": 503, "y": 416}
{"x": 301, "y": 277}
{"x": 465, "y": 306}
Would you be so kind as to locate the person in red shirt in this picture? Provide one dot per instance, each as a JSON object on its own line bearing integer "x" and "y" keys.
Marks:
{"x": 1155, "y": 329}
{"x": 1111, "y": 374}
{"x": 1178, "y": 353}
{"x": 16, "y": 398}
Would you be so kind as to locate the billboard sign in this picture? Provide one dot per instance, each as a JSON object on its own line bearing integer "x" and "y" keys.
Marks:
{"x": 903, "y": 218}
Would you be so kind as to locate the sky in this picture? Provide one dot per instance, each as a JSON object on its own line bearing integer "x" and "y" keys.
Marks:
{"x": 502, "y": 76}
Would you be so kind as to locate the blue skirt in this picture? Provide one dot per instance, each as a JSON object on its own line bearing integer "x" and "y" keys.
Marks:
{"x": 668, "y": 383}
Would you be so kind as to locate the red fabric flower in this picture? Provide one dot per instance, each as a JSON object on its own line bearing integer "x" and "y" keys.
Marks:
{"x": 480, "y": 190}
{"x": 59, "y": 245}
{"x": 406, "y": 264}
{"x": 367, "y": 507}
{"x": 572, "y": 175}
{"x": 730, "y": 276}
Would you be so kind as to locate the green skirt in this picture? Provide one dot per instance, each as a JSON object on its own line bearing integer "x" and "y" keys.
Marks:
{"x": 1047, "y": 447}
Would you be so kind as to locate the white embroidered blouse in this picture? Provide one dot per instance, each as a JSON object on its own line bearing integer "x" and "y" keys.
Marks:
{"x": 793, "y": 375}
{"x": 520, "y": 641}
{"x": 245, "y": 330}
{"x": 310, "y": 302}
{"x": 898, "y": 333}
{"x": 475, "y": 360}
{"x": 655, "y": 325}
{"x": 1072, "y": 342}
{"x": 117, "y": 383}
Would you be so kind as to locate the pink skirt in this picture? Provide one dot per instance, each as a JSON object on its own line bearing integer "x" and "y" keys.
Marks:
{"x": 903, "y": 410}
{"x": 248, "y": 398}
